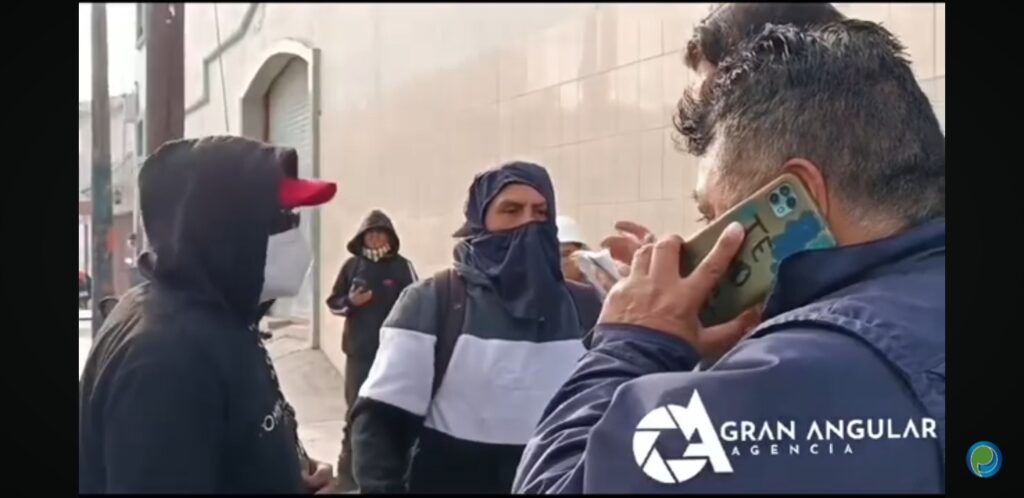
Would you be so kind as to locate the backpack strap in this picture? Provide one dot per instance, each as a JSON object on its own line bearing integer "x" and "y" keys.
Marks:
{"x": 588, "y": 305}
{"x": 451, "y": 312}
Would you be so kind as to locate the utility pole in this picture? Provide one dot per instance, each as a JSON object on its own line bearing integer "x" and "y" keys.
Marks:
{"x": 165, "y": 73}
{"x": 102, "y": 210}
{"x": 164, "y": 120}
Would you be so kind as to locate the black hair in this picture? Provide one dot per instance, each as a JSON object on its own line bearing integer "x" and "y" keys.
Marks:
{"x": 841, "y": 96}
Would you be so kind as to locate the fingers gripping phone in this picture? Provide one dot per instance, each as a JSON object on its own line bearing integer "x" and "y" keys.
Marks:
{"x": 359, "y": 285}
{"x": 780, "y": 220}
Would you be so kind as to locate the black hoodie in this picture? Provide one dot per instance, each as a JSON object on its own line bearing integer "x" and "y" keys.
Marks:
{"x": 386, "y": 278}
{"x": 178, "y": 394}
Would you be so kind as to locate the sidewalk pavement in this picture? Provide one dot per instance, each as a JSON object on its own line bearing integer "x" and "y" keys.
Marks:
{"x": 314, "y": 388}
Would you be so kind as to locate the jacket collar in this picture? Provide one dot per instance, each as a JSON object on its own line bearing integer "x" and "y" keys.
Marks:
{"x": 810, "y": 275}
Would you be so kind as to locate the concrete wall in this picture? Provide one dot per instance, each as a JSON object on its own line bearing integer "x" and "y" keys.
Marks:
{"x": 414, "y": 99}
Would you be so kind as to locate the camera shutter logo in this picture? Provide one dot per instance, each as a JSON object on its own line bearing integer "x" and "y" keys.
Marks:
{"x": 688, "y": 420}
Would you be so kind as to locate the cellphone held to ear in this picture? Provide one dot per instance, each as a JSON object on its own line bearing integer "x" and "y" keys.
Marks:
{"x": 780, "y": 219}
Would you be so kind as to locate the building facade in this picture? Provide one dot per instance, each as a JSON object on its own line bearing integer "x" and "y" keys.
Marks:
{"x": 124, "y": 159}
{"x": 402, "y": 104}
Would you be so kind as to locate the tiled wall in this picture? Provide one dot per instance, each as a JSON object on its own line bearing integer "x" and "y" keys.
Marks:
{"x": 416, "y": 98}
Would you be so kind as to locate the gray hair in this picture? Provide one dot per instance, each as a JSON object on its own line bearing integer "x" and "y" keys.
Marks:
{"x": 841, "y": 96}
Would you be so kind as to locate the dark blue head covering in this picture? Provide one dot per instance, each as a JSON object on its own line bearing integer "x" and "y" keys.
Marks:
{"x": 523, "y": 264}
{"x": 488, "y": 184}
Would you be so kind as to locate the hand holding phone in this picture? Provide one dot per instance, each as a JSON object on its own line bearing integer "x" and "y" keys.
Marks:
{"x": 360, "y": 292}
{"x": 654, "y": 297}
{"x": 779, "y": 220}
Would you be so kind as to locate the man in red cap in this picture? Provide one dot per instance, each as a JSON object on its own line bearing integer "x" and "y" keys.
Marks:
{"x": 178, "y": 394}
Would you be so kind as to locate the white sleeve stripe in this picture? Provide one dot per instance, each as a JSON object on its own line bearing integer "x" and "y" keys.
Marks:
{"x": 403, "y": 371}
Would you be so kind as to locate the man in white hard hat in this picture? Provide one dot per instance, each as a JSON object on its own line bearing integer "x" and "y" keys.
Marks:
{"x": 570, "y": 240}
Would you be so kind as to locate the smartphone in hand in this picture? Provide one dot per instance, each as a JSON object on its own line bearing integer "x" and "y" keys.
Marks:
{"x": 780, "y": 220}
{"x": 359, "y": 285}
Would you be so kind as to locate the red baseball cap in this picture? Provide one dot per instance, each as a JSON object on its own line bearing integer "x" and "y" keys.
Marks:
{"x": 298, "y": 192}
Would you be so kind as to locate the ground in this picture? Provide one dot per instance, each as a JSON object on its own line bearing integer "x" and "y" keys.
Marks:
{"x": 314, "y": 387}
{"x": 309, "y": 381}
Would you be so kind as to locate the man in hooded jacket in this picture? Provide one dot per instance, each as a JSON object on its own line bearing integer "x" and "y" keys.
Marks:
{"x": 366, "y": 289}
{"x": 178, "y": 394}
{"x": 518, "y": 340}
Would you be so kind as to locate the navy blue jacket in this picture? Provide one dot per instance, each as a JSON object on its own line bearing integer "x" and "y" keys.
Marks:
{"x": 842, "y": 389}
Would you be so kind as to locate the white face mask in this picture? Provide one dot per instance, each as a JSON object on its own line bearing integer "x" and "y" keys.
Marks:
{"x": 288, "y": 260}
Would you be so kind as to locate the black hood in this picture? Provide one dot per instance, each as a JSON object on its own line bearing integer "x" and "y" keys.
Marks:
{"x": 208, "y": 205}
{"x": 376, "y": 219}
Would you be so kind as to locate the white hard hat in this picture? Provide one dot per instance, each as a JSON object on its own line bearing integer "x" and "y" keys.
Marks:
{"x": 568, "y": 231}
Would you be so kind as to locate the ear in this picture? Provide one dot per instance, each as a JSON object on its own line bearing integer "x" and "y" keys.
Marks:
{"x": 704, "y": 68}
{"x": 813, "y": 180}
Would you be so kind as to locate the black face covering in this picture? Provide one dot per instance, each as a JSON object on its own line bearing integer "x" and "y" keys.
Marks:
{"x": 522, "y": 264}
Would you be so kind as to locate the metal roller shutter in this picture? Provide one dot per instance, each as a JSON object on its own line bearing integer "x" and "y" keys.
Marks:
{"x": 289, "y": 122}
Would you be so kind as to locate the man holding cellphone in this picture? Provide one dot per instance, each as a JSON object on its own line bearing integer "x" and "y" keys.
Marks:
{"x": 848, "y": 370}
{"x": 367, "y": 288}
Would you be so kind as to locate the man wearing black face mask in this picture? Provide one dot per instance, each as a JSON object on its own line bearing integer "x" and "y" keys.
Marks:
{"x": 178, "y": 394}
{"x": 469, "y": 358}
